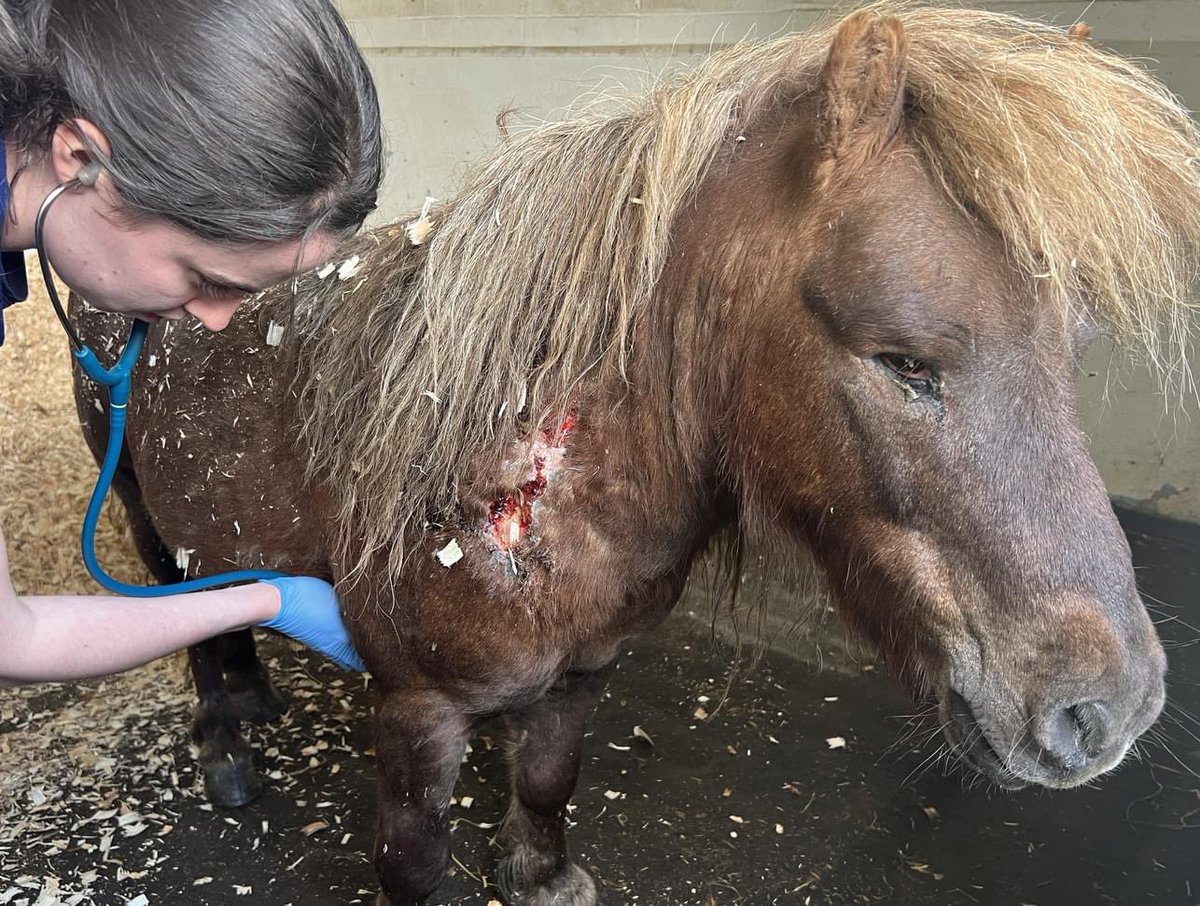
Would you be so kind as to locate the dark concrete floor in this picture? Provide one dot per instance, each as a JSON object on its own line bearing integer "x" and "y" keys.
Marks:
{"x": 750, "y": 806}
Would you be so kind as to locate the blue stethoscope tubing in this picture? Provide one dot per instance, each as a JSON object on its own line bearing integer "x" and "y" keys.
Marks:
{"x": 119, "y": 381}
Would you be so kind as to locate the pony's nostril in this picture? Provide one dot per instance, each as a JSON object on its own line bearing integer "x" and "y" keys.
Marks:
{"x": 1093, "y": 735}
{"x": 1072, "y": 736}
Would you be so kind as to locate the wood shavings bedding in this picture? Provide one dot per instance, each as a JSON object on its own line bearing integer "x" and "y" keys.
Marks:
{"x": 98, "y": 770}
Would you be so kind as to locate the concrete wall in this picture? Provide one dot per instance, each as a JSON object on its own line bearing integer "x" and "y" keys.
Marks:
{"x": 446, "y": 67}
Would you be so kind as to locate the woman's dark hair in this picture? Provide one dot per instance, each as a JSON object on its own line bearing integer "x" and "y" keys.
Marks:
{"x": 238, "y": 120}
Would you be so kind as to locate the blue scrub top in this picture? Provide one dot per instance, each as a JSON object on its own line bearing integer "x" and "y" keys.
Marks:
{"x": 13, "y": 287}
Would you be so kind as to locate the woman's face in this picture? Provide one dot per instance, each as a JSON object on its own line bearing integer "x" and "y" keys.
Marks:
{"x": 153, "y": 269}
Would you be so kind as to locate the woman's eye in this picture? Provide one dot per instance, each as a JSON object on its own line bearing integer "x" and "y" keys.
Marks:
{"x": 906, "y": 367}
{"x": 220, "y": 291}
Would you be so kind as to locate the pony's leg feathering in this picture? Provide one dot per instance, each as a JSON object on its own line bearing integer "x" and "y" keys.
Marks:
{"x": 547, "y": 739}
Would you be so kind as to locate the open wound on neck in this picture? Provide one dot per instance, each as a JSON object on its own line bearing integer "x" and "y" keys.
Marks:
{"x": 511, "y": 516}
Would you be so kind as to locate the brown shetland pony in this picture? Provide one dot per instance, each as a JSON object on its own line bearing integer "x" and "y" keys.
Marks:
{"x": 827, "y": 290}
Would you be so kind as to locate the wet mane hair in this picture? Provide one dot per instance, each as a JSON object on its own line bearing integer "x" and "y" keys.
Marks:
{"x": 535, "y": 275}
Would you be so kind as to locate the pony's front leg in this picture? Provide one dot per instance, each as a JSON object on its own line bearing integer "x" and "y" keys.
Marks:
{"x": 419, "y": 745}
{"x": 230, "y": 779}
{"x": 254, "y": 696}
{"x": 547, "y": 745}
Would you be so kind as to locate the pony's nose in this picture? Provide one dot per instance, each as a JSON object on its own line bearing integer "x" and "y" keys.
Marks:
{"x": 1071, "y": 737}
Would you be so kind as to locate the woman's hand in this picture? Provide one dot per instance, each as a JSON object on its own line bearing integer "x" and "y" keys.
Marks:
{"x": 309, "y": 613}
{"x": 53, "y": 638}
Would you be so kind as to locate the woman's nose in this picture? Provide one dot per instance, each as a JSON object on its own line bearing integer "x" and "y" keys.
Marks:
{"x": 213, "y": 314}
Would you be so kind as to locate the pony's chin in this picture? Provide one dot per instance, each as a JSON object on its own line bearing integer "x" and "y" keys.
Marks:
{"x": 971, "y": 744}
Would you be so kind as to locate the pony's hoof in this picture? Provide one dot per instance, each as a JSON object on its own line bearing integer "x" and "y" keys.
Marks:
{"x": 569, "y": 886}
{"x": 381, "y": 899}
{"x": 231, "y": 781}
{"x": 258, "y": 703}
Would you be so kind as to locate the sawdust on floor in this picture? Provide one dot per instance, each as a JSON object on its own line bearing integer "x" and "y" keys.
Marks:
{"x": 46, "y": 470}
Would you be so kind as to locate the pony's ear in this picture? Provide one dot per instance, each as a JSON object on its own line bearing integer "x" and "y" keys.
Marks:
{"x": 862, "y": 87}
{"x": 1080, "y": 31}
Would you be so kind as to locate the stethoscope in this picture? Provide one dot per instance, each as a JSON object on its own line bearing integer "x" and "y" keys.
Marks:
{"x": 118, "y": 380}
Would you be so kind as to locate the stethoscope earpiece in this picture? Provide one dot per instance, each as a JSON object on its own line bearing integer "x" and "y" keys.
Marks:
{"x": 88, "y": 174}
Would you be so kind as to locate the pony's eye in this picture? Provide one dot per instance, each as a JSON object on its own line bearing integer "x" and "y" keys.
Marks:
{"x": 905, "y": 367}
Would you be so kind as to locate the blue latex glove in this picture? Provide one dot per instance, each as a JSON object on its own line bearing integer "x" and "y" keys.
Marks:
{"x": 309, "y": 613}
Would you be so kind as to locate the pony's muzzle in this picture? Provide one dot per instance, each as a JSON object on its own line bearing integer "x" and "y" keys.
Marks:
{"x": 1074, "y": 744}
{"x": 1061, "y": 742}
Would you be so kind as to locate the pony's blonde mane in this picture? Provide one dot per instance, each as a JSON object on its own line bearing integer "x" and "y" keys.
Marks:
{"x": 535, "y": 274}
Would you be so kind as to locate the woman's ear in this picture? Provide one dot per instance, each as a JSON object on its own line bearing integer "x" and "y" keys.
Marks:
{"x": 70, "y": 153}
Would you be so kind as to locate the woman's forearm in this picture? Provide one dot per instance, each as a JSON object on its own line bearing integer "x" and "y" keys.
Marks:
{"x": 60, "y": 637}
